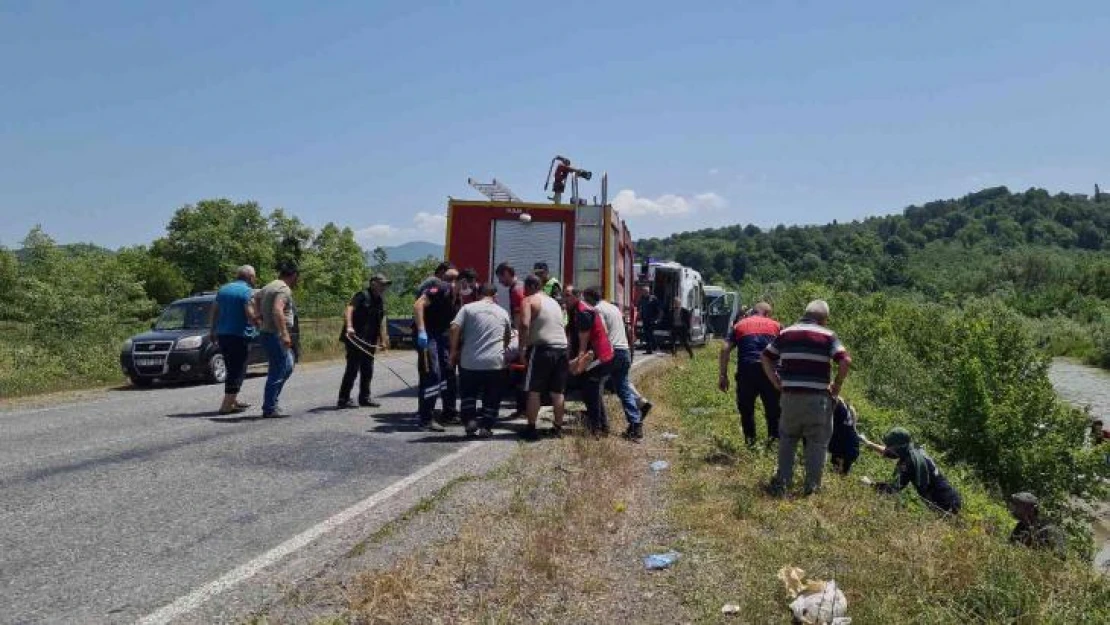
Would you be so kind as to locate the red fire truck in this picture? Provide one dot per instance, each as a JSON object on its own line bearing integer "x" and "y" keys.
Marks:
{"x": 583, "y": 243}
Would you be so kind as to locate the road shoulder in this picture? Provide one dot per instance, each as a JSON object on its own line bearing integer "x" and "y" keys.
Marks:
{"x": 556, "y": 533}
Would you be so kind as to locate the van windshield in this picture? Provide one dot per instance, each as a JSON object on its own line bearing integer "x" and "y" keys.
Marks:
{"x": 192, "y": 316}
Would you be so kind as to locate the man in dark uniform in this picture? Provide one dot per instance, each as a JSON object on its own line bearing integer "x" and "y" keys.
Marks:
{"x": 649, "y": 312}
{"x": 433, "y": 312}
{"x": 680, "y": 327}
{"x": 750, "y": 336}
{"x": 364, "y": 335}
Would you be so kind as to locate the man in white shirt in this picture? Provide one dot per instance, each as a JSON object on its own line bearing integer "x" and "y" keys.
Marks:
{"x": 635, "y": 407}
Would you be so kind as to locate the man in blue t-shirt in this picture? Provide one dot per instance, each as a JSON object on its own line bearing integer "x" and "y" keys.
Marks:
{"x": 233, "y": 326}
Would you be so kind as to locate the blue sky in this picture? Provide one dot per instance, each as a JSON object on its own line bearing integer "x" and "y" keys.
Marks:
{"x": 370, "y": 114}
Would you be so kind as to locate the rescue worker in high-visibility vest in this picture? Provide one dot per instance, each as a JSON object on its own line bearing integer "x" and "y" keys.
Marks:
{"x": 550, "y": 283}
{"x": 551, "y": 286}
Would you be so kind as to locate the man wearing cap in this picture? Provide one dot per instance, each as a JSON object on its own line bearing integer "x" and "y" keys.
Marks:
{"x": 275, "y": 305}
{"x": 1032, "y": 531}
{"x": 432, "y": 315}
{"x": 364, "y": 334}
{"x": 917, "y": 468}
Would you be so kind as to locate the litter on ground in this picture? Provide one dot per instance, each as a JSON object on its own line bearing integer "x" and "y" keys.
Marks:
{"x": 658, "y": 561}
{"x": 668, "y": 436}
{"x": 814, "y": 602}
{"x": 659, "y": 465}
{"x": 730, "y": 609}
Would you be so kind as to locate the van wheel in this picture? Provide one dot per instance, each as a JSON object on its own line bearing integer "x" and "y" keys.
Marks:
{"x": 217, "y": 369}
{"x": 140, "y": 381}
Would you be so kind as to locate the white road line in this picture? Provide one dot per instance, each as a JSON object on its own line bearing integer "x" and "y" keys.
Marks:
{"x": 195, "y": 599}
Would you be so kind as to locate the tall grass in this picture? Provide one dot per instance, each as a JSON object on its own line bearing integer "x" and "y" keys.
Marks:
{"x": 896, "y": 560}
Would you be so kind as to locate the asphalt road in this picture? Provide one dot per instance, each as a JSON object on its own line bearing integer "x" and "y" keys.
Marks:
{"x": 114, "y": 507}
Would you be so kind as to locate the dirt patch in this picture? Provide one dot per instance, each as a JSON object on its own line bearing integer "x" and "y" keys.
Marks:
{"x": 556, "y": 535}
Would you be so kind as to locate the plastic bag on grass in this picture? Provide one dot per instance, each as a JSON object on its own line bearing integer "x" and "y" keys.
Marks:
{"x": 814, "y": 602}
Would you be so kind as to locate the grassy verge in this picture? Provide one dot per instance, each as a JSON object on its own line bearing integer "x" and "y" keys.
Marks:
{"x": 30, "y": 367}
{"x": 895, "y": 560}
{"x": 320, "y": 339}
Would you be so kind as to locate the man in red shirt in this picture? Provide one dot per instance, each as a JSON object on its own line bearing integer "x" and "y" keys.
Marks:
{"x": 595, "y": 357}
{"x": 506, "y": 276}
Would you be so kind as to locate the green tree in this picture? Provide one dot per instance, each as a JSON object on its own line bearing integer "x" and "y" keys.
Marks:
{"x": 338, "y": 265}
{"x": 207, "y": 241}
{"x": 40, "y": 251}
{"x": 291, "y": 237}
{"x": 381, "y": 257}
{"x": 9, "y": 274}
{"x": 1088, "y": 236}
{"x": 895, "y": 246}
{"x": 162, "y": 280}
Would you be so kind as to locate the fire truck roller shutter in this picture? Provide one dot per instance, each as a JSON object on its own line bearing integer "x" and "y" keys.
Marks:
{"x": 522, "y": 245}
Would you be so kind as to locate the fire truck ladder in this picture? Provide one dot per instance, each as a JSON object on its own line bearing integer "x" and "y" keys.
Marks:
{"x": 495, "y": 190}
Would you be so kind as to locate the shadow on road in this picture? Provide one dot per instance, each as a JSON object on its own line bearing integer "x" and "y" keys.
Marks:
{"x": 401, "y": 392}
{"x": 243, "y": 418}
{"x": 194, "y": 415}
{"x": 168, "y": 384}
{"x": 393, "y": 422}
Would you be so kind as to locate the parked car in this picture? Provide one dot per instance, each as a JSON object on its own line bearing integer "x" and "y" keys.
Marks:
{"x": 177, "y": 347}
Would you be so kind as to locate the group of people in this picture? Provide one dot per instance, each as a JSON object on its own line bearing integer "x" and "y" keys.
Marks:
{"x": 475, "y": 351}
{"x": 472, "y": 351}
{"x": 791, "y": 371}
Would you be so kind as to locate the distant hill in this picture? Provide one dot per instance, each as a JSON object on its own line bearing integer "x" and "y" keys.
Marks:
{"x": 1045, "y": 252}
{"x": 409, "y": 252}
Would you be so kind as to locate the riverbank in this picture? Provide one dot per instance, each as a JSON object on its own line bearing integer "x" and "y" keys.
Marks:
{"x": 1088, "y": 388}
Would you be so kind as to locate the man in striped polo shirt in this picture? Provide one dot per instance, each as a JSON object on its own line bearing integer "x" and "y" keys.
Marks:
{"x": 805, "y": 352}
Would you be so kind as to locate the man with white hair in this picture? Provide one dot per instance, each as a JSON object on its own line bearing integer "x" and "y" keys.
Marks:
{"x": 233, "y": 326}
{"x": 805, "y": 352}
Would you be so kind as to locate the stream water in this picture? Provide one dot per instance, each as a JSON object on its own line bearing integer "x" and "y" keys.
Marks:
{"x": 1088, "y": 387}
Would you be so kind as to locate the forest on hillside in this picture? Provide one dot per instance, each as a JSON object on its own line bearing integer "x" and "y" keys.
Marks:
{"x": 1046, "y": 256}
